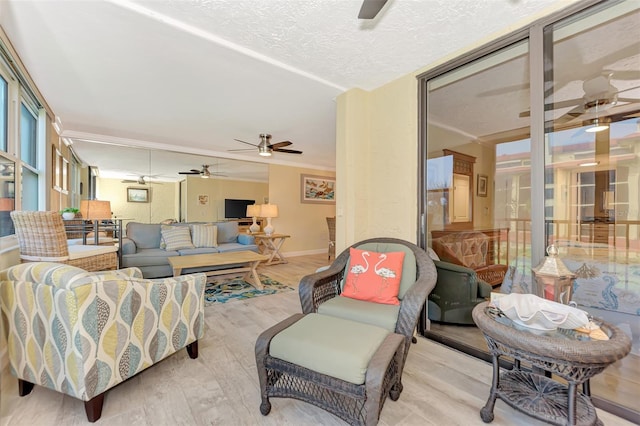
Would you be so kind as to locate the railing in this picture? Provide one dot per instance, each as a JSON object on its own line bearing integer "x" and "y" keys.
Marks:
{"x": 619, "y": 235}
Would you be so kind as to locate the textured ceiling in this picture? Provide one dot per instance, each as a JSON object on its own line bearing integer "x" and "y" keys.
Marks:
{"x": 193, "y": 75}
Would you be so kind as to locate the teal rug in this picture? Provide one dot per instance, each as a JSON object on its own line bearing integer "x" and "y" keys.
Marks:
{"x": 223, "y": 290}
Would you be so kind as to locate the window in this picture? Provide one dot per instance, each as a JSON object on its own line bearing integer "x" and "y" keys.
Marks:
{"x": 28, "y": 136}
{"x": 4, "y": 107}
{"x": 21, "y": 147}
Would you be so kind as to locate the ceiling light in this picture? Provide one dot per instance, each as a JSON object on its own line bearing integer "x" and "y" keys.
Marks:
{"x": 589, "y": 163}
{"x": 596, "y": 128}
{"x": 264, "y": 150}
{"x": 597, "y": 124}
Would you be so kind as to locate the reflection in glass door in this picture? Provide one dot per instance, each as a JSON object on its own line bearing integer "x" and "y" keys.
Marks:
{"x": 592, "y": 164}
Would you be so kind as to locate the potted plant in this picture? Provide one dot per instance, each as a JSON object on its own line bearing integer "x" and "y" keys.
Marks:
{"x": 69, "y": 213}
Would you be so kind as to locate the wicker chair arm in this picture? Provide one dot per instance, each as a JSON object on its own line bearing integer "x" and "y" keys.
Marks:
{"x": 317, "y": 288}
{"x": 414, "y": 299}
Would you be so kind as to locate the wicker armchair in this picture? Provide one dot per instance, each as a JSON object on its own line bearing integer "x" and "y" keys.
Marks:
{"x": 42, "y": 238}
{"x": 322, "y": 288}
{"x": 471, "y": 250}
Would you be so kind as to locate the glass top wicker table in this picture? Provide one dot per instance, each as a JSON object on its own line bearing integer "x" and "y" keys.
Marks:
{"x": 569, "y": 355}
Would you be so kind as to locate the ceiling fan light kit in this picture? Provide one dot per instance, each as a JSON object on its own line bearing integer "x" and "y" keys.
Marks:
{"x": 266, "y": 148}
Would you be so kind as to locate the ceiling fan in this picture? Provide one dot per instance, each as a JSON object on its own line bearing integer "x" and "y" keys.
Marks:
{"x": 599, "y": 95}
{"x": 266, "y": 148}
{"x": 204, "y": 172}
{"x": 370, "y": 8}
{"x": 140, "y": 180}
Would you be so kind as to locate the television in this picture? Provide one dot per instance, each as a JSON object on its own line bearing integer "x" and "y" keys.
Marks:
{"x": 236, "y": 209}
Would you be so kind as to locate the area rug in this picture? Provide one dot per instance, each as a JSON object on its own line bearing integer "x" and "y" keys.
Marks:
{"x": 223, "y": 290}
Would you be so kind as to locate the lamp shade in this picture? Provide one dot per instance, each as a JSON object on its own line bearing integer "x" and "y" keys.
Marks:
{"x": 268, "y": 210}
{"x": 253, "y": 210}
{"x": 94, "y": 209}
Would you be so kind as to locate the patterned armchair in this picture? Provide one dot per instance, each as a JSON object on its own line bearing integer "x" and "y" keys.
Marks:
{"x": 81, "y": 333}
{"x": 470, "y": 249}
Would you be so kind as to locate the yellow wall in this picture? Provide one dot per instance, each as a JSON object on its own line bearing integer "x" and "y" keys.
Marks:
{"x": 377, "y": 163}
{"x": 217, "y": 190}
{"x": 163, "y": 200}
{"x": 305, "y": 223}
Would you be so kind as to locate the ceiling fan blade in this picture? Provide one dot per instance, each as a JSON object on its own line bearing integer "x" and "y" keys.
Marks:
{"x": 189, "y": 173}
{"x": 370, "y": 8}
{"x": 552, "y": 106}
{"x": 279, "y": 144}
{"x": 288, "y": 151}
{"x": 248, "y": 143}
{"x": 241, "y": 150}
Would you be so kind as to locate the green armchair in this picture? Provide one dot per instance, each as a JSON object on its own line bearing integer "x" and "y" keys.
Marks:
{"x": 458, "y": 290}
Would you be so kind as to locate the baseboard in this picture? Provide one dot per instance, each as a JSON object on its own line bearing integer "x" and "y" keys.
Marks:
{"x": 304, "y": 252}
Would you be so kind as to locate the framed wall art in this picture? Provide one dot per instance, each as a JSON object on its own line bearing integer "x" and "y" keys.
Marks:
{"x": 317, "y": 189}
{"x": 483, "y": 182}
{"x": 137, "y": 195}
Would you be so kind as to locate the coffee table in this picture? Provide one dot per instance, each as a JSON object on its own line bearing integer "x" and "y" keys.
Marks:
{"x": 569, "y": 355}
{"x": 239, "y": 261}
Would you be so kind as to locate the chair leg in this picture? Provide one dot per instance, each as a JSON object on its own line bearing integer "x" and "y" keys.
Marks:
{"x": 93, "y": 407}
{"x": 192, "y": 350}
{"x": 24, "y": 387}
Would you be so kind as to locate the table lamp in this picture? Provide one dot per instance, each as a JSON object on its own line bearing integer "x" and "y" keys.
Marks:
{"x": 95, "y": 210}
{"x": 268, "y": 211}
{"x": 253, "y": 211}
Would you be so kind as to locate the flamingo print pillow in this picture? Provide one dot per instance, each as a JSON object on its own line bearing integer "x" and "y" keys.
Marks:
{"x": 374, "y": 277}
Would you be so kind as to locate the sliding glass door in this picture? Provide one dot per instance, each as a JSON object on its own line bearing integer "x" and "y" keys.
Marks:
{"x": 533, "y": 141}
{"x": 592, "y": 172}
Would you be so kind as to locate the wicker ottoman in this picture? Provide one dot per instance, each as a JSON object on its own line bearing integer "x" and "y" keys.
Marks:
{"x": 344, "y": 367}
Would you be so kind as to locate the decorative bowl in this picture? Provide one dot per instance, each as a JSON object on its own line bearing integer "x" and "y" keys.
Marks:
{"x": 531, "y": 311}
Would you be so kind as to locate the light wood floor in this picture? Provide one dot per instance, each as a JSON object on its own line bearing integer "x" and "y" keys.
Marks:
{"x": 441, "y": 386}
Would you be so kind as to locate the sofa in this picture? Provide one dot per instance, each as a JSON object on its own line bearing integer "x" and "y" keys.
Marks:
{"x": 82, "y": 333}
{"x": 145, "y": 245}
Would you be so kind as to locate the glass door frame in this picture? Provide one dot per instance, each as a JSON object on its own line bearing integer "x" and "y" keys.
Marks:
{"x": 540, "y": 70}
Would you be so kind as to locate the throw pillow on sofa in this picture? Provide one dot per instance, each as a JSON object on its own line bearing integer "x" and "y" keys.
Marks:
{"x": 204, "y": 235}
{"x": 176, "y": 237}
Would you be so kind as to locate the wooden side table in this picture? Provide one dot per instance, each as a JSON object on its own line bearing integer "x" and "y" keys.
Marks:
{"x": 270, "y": 245}
{"x": 567, "y": 354}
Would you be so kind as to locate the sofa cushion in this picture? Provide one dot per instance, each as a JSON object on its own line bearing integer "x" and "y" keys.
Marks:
{"x": 176, "y": 237}
{"x": 374, "y": 277}
{"x": 198, "y": 250}
{"x": 227, "y": 232}
{"x": 223, "y": 248}
{"x": 204, "y": 235}
{"x": 331, "y": 346}
{"x": 377, "y": 314}
{"x": 145, "y": 235}
{"x": 147, "y": 257}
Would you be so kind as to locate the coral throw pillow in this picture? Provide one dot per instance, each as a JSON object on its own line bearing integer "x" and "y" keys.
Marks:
{"x": 374, "y": 277}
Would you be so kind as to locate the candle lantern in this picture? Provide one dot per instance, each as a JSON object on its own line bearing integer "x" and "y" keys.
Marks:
{"x": 552, "y": 279}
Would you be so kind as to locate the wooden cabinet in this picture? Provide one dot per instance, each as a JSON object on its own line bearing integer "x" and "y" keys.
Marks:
{"x": 461, "y": 196}
{"x": 244, "y": 224}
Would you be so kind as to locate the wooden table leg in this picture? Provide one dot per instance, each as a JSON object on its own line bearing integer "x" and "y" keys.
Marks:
{"x": 252, "y": 276}
{"x": 273, "y": 249}
{"x": 177, "y": 272}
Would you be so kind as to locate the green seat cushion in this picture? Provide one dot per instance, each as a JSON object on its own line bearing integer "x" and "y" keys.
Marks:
{"x": 327, "y": 345}
{"x": 378, "y": 314}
